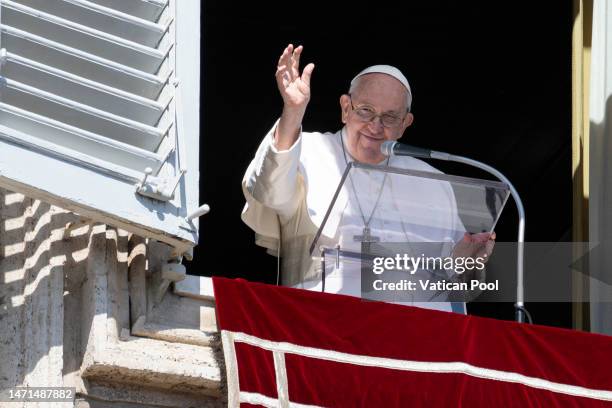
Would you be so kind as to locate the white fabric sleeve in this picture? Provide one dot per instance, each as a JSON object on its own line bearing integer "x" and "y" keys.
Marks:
{"x": 270, "y": 186}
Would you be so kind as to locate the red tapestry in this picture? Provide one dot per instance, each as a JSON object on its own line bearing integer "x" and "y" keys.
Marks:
{"x": 290, "y": 346}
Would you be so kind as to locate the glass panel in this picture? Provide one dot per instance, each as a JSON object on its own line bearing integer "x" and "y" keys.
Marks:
{"x": 385, "y": 204}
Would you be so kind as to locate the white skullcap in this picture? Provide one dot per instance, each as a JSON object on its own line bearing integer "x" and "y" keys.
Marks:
{"x": 391, "y": 71}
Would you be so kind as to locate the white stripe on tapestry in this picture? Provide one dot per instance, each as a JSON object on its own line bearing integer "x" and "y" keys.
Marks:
{"x": 269, "y": 402}
{"x": 231, "y": 368}
{"x": 424, "y": 366}
{"x": 282, "y": 386}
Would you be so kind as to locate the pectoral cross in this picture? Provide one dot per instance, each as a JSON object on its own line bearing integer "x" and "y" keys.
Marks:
{"x": 366, "y": 239}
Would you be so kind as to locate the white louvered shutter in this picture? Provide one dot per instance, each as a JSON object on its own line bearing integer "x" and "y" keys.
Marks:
{"x": 95, "y": 94}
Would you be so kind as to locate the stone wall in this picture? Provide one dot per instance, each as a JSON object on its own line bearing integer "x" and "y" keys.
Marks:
{"x": 85, "y": 305}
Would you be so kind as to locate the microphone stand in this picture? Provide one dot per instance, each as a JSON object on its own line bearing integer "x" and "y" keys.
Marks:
{"x": 388, "y": 148}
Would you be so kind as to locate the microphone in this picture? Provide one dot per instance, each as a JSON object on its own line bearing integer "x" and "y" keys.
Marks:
{"x": 393, "y": 148}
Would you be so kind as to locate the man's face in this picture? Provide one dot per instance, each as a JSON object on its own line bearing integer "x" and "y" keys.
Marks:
{"x": 380, "y": 94}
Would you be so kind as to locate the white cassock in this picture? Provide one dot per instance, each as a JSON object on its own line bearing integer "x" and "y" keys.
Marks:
{"x": 289, "y": 192}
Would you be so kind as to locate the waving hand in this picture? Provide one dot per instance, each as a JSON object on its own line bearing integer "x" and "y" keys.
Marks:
{"x": 295, "y": 91}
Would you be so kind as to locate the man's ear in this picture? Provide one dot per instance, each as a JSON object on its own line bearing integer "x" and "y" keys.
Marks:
{"x": 345, "y": 105}
{"x": 405, "y": 124}
{"x": 407, "y": 121}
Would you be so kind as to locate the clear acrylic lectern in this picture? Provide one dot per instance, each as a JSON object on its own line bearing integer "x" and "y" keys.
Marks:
{"x": 378, "y": 205}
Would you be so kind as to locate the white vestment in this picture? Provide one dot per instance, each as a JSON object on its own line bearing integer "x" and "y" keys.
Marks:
{"x": 288, "y": 193}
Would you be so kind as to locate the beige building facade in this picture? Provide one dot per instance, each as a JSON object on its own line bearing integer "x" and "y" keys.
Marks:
{"x": 86, "y": 305}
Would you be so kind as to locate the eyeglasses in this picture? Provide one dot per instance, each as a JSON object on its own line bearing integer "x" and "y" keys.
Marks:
{"x": 368, "y": 114}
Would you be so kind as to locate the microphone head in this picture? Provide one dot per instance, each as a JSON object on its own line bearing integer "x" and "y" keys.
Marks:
{"x": 386, "y": 148}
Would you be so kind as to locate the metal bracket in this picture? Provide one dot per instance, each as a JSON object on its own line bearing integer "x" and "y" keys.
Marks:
{"x": 159, "y": 188}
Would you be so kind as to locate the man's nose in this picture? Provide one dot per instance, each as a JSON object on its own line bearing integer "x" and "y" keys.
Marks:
{"x": 376, "y": 125}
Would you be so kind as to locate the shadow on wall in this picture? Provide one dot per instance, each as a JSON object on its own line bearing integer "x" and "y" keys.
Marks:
{"x": 41, "y": 274}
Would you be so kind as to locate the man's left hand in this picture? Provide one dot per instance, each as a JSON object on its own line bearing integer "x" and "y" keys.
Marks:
{"x": 475, "y": 246}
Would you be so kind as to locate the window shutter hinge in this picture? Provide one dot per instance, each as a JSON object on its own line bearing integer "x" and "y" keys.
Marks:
{"x": 158, "y": 188}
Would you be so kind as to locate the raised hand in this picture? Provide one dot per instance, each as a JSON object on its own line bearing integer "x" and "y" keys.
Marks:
{"x": 294, "y": 88}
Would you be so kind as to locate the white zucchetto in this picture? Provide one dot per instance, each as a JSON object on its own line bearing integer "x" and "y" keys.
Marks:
{"x": 391, "y": 71}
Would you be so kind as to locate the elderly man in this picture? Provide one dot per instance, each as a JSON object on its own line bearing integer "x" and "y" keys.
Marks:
{"x": 292, "y": 179}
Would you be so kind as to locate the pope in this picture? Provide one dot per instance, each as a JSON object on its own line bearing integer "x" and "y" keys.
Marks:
{"x": 290, "y": 182}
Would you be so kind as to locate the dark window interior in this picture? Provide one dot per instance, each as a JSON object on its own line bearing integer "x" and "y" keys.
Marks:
{"x": 491, "y": 80}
